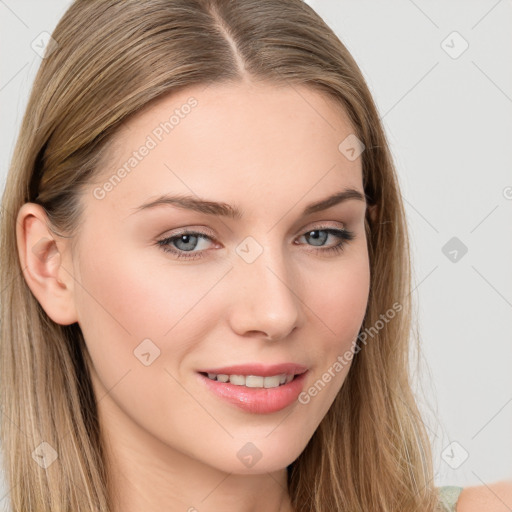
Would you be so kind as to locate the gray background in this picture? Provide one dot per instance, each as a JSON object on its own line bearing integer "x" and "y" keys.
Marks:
{"x": 448, "y": 117}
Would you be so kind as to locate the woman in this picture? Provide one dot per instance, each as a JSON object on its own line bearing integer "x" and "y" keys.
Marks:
{"x": 213, "y": 307}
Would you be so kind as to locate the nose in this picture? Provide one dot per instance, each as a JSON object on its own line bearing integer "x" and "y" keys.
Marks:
{"x": 264, "y": 298}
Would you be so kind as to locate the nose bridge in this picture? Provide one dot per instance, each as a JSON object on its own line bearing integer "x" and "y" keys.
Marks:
{"x": 266, "y": 299}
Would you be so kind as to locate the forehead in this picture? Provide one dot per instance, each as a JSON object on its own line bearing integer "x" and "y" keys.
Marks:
{"x": 232, "y": 142}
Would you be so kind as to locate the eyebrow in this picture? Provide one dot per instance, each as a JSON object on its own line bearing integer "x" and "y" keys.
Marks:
{"x": 232, "y": 212}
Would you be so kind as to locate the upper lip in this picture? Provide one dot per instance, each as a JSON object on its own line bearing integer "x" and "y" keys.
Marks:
{"x": 258, "y": 369}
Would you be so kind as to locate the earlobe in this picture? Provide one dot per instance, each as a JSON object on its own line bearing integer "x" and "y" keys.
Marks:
{"x": 46, "y": 270}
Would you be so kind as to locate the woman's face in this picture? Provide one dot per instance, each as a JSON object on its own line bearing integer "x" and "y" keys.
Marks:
{"x": 264, "y": 292}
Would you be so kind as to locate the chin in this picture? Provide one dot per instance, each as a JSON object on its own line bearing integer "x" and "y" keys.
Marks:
{"x": 253, "y": 458}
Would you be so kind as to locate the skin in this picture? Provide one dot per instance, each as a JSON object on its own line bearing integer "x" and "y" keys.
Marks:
{"x": 495, "y": 497}
{"x": 269, "y": 150}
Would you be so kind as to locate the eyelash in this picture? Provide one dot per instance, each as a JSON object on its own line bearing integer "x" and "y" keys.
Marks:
{"x": 344, "y": 235}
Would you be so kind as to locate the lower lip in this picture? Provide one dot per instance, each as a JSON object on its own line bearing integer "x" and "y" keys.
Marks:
{"x": 257, "y": 400}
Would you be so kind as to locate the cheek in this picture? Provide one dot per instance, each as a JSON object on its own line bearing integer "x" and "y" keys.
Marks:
{"x": 338, "y": 306}
{"x": 124, "y": 300}
{"x": 120, "y": 299}
{"x": 335, "y": 304}
{"x": 340, "y": 300}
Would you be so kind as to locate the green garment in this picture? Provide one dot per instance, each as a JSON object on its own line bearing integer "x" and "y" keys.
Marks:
{"x": 448, "y": 496}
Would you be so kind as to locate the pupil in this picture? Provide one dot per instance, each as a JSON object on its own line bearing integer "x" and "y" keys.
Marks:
{"x": 316, "y": 236}
{"x": 185, "y": 239}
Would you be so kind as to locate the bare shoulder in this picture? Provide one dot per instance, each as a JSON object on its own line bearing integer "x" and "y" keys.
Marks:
{"x": 495, "y": 497}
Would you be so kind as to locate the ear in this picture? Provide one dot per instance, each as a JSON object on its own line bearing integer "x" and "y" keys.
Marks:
{"x": 46, "y": 263}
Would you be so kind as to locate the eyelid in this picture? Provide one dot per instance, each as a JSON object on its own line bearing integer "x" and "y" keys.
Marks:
{"x": 319, "y": 224}
{"x": 207, "y": 231}
{"x": 191, "y": 229}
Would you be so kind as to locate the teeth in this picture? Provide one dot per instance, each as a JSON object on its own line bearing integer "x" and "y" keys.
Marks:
{"x": 253, "y": 381}
{"x": 238, "y": 380}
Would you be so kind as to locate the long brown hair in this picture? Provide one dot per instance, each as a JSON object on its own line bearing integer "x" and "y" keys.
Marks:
{"x": 371, "y": 451}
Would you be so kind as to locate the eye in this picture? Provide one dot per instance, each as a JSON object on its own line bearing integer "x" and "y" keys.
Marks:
{"x": 320, "y": 234}
{"x": 183, "y": 245}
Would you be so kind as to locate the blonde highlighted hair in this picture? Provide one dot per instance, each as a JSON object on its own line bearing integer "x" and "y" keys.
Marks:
{"x": 371, "y": 451}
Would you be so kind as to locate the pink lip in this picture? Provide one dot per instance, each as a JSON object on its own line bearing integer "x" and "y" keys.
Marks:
{"x": 257, "y": 400}
{"x": 258, "y": 369}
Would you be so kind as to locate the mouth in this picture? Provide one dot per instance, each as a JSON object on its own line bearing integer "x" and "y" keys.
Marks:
{"x": 256, "y": 389}
{"x": 252, "y": 381}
